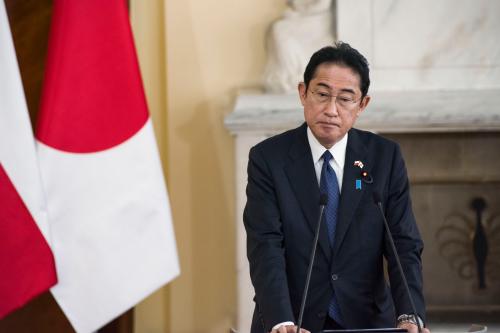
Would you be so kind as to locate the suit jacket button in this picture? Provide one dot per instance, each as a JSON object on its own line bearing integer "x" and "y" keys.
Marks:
{"x": 321, "y": 314}
{"x": 335, "y": 277}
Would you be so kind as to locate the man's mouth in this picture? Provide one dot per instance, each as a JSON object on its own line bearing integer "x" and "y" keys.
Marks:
{"x": 327, "y": 124}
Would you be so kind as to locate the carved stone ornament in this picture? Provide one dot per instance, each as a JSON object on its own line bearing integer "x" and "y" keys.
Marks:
{"x": 306, "y": 26}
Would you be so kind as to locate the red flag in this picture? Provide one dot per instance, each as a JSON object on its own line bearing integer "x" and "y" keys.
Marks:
{"x": 26, "y": 261}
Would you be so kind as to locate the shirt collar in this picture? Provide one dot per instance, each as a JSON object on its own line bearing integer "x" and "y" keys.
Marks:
{"x": 338, "y": 150}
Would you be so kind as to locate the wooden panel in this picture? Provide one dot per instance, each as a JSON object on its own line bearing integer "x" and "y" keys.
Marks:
{"x": 41, "y": 315}
{"x": 30, "y": 22}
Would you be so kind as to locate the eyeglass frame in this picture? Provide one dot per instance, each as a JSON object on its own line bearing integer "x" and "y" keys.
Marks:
{"x": 330, "y": 97}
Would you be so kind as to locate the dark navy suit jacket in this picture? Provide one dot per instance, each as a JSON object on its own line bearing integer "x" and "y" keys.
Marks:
{"x": 280, "y": 217}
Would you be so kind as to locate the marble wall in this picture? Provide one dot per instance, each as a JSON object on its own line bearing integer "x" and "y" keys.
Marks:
{"x": 425, "y": 44}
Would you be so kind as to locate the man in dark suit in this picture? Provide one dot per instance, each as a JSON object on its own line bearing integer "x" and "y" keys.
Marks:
{"x": 286, "y": 175}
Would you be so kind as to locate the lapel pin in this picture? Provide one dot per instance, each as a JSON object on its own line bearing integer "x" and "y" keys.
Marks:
{"x": 365, "y": 176}
{"x": 358, "y": 164}
{"x": 358, "y": 184}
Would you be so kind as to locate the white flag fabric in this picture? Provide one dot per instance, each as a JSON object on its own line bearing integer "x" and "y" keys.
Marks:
{"x": 26, "y": 261}
{"x": 111, "y": 226}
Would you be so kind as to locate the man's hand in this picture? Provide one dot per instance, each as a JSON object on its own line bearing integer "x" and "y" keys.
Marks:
{"x": 411, "y": 328}
{"x": 289, "y": 329}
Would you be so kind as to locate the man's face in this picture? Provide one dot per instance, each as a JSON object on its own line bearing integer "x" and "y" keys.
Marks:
{"x": 330, "y": 117}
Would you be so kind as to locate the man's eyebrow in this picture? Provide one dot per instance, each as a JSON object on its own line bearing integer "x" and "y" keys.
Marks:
{"x": 344, "y": 90}
{"x": 324, "y": 85}
{"x": 348, "y": 90}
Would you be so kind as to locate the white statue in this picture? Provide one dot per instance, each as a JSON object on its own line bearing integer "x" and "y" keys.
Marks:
{"x": 306, "y": 26}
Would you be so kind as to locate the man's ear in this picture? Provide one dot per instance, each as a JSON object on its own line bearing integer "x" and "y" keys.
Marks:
{"x": 302, "y": 92}
{"x": 363, "y": 104}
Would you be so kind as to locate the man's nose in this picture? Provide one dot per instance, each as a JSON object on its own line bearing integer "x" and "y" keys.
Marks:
{"x": 331, "y": 108}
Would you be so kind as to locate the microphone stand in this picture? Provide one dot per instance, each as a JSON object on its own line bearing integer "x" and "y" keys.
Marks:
{"x": 378, "y": 202}
{"x": 323, "y": 200}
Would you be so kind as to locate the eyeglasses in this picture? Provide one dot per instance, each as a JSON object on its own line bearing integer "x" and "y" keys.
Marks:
{"x": 342, "y": 101}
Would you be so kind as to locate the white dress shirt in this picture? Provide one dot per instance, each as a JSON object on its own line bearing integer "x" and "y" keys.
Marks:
{"x": 338, "y": 152}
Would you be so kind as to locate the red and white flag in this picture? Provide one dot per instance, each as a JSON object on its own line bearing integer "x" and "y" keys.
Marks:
{"x": 111, "y": 226}
{"x": 26, "y": 262}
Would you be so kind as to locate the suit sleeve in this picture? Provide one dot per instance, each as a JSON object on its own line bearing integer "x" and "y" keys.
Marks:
{"x": 406, "y": 238}
{"x": 265, "y": 248}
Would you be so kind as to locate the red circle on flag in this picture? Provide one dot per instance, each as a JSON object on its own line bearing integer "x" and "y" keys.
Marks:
{"x": 92, "y": 96}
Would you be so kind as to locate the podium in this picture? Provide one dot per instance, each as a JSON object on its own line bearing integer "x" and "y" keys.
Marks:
{"x": 473, "y": 329}
{"x": 368, "y": 330}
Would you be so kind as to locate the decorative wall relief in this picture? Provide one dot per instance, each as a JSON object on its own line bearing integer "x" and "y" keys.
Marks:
{"x": 472, "y": 247}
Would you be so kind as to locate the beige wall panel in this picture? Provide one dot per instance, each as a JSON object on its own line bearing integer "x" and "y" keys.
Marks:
{"x": 214, "y": 47}
{"x": 192, "y": 73}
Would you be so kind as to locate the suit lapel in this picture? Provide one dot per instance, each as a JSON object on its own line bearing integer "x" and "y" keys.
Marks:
{"x": 302, "y": 177}
{"x": 350, "y": 196}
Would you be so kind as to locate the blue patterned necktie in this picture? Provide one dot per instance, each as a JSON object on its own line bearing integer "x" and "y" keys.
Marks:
{"x": 330, "y": 185}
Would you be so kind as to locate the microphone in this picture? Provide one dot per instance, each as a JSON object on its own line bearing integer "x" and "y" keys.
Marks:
{"x": 378, "y": 201}
{"x": 323, "y": 200}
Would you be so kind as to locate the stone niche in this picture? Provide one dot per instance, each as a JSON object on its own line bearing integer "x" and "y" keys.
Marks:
{"x": 447, "y": 171}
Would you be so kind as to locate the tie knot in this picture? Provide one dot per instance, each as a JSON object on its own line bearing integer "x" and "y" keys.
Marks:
{"x": 327, "y": 156}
